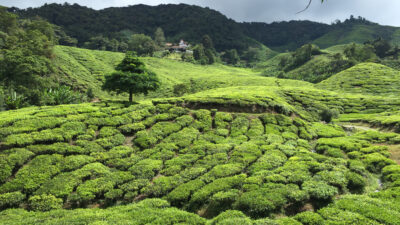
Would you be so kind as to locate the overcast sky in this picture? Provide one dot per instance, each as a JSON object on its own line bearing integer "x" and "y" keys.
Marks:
{"x": 381, "y": 11}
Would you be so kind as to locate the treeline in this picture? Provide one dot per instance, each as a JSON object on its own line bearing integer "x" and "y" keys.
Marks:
{"x": 27, "y": 73}
{"x": 178, "y": 22}
{"x": 190, "y": 23}
{"x": 312, "y": 64}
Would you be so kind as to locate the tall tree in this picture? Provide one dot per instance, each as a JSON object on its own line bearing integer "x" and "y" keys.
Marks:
{"x": 26, "y": 54}
{"x": 207, "y": 42}
{"x": 142, "y": 44}
{"x": 232, "y": 57}
{"x": 159, "y": 37}
{"x": 131, "y": 77}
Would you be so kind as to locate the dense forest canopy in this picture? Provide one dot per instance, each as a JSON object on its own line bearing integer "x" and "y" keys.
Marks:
{"x": 191, "y": 23}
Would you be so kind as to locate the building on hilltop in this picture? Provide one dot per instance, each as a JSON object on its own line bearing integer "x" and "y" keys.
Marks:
{"x": 181, "y": 47}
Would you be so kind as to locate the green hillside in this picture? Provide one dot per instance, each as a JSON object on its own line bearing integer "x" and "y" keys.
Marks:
{"x": 203, "y": 162}
{"x": 82, "y": 68}
{"x": 313, "y": 68}
{"x": 365, "y": 78}
{"x": 191, "y": 22}
{"x": 358, "y": 33}
{"x": 238, "y": 148}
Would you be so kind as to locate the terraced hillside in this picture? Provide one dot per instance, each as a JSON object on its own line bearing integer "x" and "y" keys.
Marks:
{"x": 242, "y": 149}
{"x": 222, "y": 151}
{"x": 200, "y": 161}
{"x": 365, "y": 78}
{"x": 82, "y": 68}
{"x": 318, "y": 67}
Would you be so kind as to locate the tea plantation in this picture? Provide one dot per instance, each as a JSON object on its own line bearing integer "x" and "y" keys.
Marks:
{"x": 238, "y": 149}
{"x": 164, "y": 164}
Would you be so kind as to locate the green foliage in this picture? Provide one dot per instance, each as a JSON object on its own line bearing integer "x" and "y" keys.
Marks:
{"x": 309, "y": 218}
{"x": 328, "y": 114}
{"x": 44, "y": 203}
{"x": 26, "y": 53}
{"x": 231, "y": 57}
{"x": 299, "y": 57}
{"x": 142, "y": 44}
{"x": 365, "y": 78}
{"x": 11, "y": 199}
{"x": 131, "y": 77}
{"x": 14, "y": 101}
{"x": 320, "y": 190}
{"x": 159, "y": 37}
{"x": 61, "y": 95}
{"x": 206, "y": 161}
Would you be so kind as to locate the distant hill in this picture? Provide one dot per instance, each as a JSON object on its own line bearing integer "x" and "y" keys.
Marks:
{"x": 192, "y": 22}
{"x": 83, "y": 69}
{"x": 178, "y": 22}
{"x": 365, "y": 78}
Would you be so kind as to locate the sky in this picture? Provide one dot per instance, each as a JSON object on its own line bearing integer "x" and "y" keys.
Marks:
{"x": 385, "y": 12}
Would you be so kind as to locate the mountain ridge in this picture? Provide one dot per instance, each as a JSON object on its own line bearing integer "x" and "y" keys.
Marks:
{"x": 191, "y": 22}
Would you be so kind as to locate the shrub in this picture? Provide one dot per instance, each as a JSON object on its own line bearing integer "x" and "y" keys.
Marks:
{"x": 269, "y": 161}
{"x": 220, "y": 171}
{"x": 319, "y": 190}
{"x": 239, "y": 126}
{"x": 328, "y": 114}
{"x": 181, "y": 89}
{"x": 334, "y": 178}
{"x": 203, "y": 120}
{"x": 34, "y": 174}
{"x": 356, "y": 183}
{"x": 337, "y": 216}
{"x": 131, "y": 128}
{"x": 61, "y": 95}
{"x": 309, "y": 218}
{"x": 107, "y": 132}
{"x": 231, "y": 217}
{"x": 111, "y": 141}
{"x": 222, "y": 184}
{"x": 261, "y": 202}
{"x": 184, "y": 121}
{"x": 222, "y": 119}
{"x": 44, "y": 203}
{"x": 182, "y": 193}
{"x": 74, "y": 162}
{"x": 11, "y": 199}
{"x": 146, "y": 168}
{"x": 375, "y": 162}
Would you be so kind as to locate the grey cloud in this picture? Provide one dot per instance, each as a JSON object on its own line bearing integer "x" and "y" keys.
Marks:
{"x": 381, "y": 11}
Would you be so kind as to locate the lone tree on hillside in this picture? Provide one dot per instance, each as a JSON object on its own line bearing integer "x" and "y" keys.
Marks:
{"x": 131, "y": 77}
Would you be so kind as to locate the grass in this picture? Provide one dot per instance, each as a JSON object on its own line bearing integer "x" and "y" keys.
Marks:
{"x": 82, "y": 68}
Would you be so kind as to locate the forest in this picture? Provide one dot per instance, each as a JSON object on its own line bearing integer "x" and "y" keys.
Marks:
{"x": 108, "y": 121}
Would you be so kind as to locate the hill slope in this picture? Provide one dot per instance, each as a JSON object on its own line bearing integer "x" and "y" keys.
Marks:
{"x": 203, "y": 162}
{"x": 365, "y": 78}
{"x": 82, "y": 68}
{"x": 178, "y": 22}
{"x": 192, "y": 22}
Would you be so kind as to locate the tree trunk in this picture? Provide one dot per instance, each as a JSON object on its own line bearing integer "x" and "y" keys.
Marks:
{"x": 130, "y": 96}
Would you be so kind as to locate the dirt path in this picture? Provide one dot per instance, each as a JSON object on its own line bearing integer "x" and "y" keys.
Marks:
{"x": 393, "y": 149}
{"x": 394, "y": 152}
{"x": 358, "y": 127}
